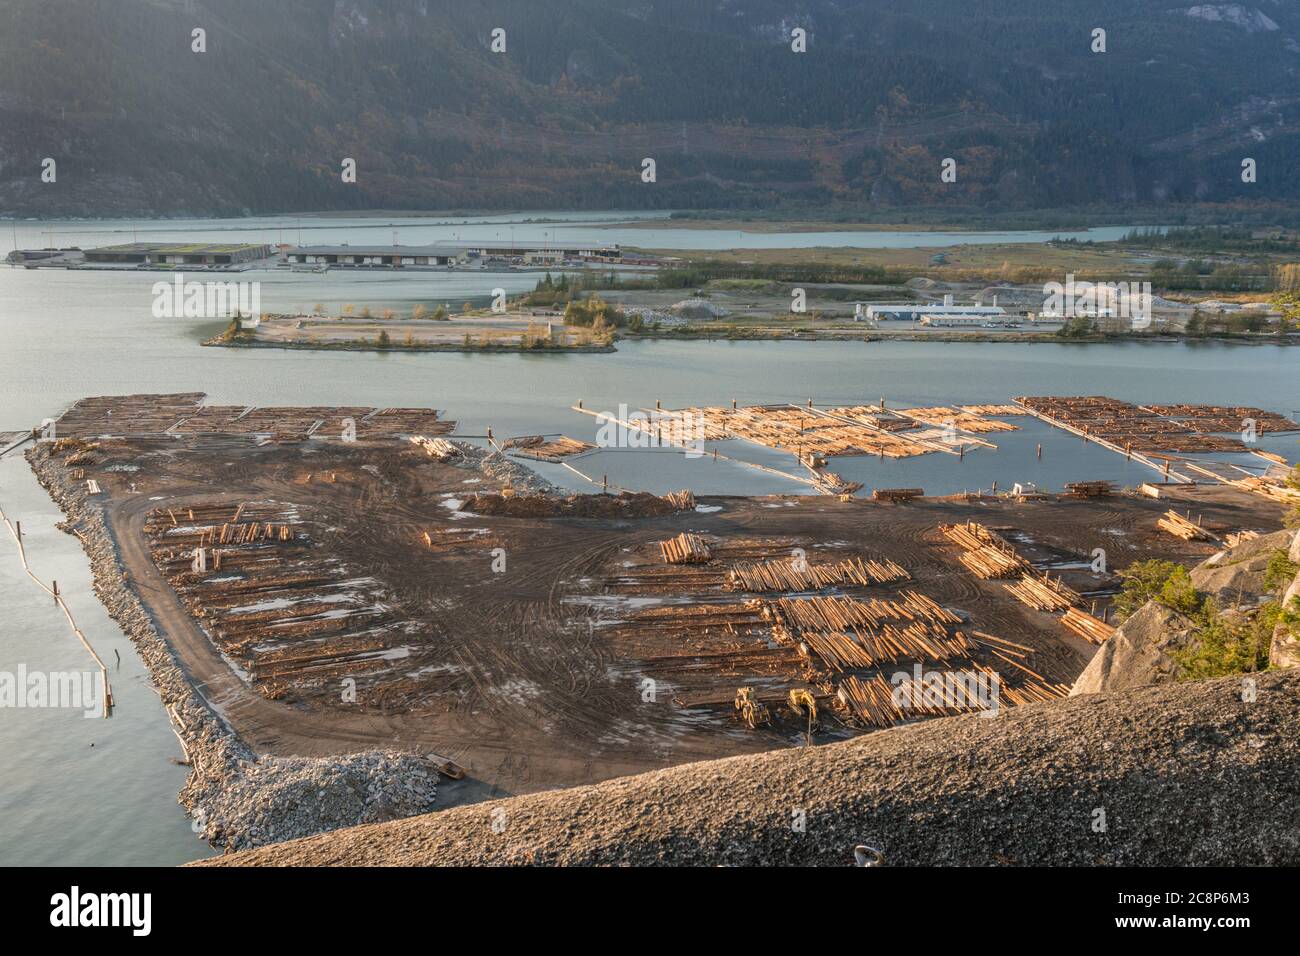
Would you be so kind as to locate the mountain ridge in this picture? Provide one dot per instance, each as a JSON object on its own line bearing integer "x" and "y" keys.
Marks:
{"x": 410, "y": 89}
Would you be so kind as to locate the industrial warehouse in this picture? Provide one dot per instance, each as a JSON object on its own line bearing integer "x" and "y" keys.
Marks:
{"x": 147, "y": 254}
{"x": 241, "y": 256}
{"x": 447, "y": 254}
{"x": 946, "y": 314}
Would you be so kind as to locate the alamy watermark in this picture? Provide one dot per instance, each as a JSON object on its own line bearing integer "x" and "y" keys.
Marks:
{"x": 1071, "y": 299}
{"x": 75, "y": 690}
{"x": 976, "y": 690}
{"x": 206, "y": 300}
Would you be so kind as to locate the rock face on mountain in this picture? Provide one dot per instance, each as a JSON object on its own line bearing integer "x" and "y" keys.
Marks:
{"x": 1178, "y": 774}
{"x": 1236, "y": 576}
{"x": 1138, "y": 653}
{"x": 1285, "y": 650}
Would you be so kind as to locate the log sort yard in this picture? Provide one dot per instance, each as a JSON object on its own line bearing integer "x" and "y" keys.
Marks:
{"x": 338, "y": 579}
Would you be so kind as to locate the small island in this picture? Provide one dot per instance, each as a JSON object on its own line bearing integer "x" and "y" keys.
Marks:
{"x": 421, "y": 330}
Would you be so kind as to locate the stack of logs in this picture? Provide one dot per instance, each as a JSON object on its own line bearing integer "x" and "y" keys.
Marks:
{"x": 681, "y": 500}
{"x": 1043, "y": 594}
{"x": 1182, "y": 527}
{"x": 845, "y": 613}
{"x": 557, "y": 449}
{"x": 1234, "y": 538}
{"x": 866, "y": 648}
{"x": 985, "y": 552}
{"x": 799, "y": 575}
{"x": 1087, "y": 626}
{"x": 1089, "y": 489}
{"x": 686, "y": 548}
{"x": 438, "y": 448}
{"x": 897, "y": 495}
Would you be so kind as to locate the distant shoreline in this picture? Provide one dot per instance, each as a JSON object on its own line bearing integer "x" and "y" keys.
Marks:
{"x": 374, "y": 347}
{"x": 1025, "y": 338}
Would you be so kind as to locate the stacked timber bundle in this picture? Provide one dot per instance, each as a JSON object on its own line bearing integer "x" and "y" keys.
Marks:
{"x": 681, "y": 500}
{"x": 686, "y": 548}
{"x": 989, "y": 563}
{"x": 797, "y": 575}
{"x": 958, "y": 418}
{"x": 878, "y": 703}
{"x": 991, "y": 410}
{"x": 1089, "y": 489}
{"x": 249, "y": 533}
{"x": 1237, "y": 537}
{"x": 829, "y": 483}
{"x": 1182, "y": 527}
{"x": 897, "y": 495}
{"x": 728, "y": 617}
{"x": 1031, "y": 692}
{"x": 438, "y": 448}
{"x": 985, "y": 552}
{"x": 1043, "y": 594}
{"x": 872, "y": 701}
{"x": 865, "y": 647}
{"x": 1269, "y": 488}
{"x": 1230, "y": 418}
{"x": 845, "y": 613}
{"x": 557, "y": 449}
{"x": 1086, "y": 626}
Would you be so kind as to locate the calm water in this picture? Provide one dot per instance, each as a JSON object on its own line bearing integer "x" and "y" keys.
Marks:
{"x": 538, "y": 227}
{"x": 70, "y": 334}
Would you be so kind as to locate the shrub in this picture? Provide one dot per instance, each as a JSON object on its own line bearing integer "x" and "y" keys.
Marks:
{"x": 1281, "y": 571}
{"x": 1227, "y": 646}
{"x": 1147, "y": 581}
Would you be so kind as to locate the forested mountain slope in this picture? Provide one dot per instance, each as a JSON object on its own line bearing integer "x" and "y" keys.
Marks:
{"x": 586, "y": 89}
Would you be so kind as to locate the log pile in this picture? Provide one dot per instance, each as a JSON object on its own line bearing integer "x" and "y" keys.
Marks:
{"x": 1126, "y": 426}
{"x": 284, "y": 608}
{"x": 1230, "y": 418}
{"x": 888, "y": 645}
{"x": 942, "y": 416}
{"x": 1181, "y": 527}
{"x": 872, "y": 701}
{"x": 185, "y": 414}
{"x": 1089, "y": 489}
{"x": 727, "y": 617}
{"x": 1043, "y": 594}
{"x": 846, "y": 613}
{"x": 992, "y": 410}
{"x": 985, "y": 553}
{"x": 438, "y": 448}
{"x": 1086, "y": 626}
{"x": 680, "y": 500}
{"x": 878, "y": 703}
{"x": 555, "y": 450}
{"x": 686, "y": 548}
{"x": 897, "y": 495}
{"x": 1234, "y": 538}
{"x": 807, "y": 430}
{"x": 799, "y": 575}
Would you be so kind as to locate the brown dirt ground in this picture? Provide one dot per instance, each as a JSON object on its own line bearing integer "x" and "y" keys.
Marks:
{"x": 531, "y": 679}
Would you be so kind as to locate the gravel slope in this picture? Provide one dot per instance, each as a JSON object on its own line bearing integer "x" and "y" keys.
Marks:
{"x": 1186, "y": 774}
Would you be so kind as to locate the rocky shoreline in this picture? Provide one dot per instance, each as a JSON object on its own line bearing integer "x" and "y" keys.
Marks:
{"x": 238, "y": 799}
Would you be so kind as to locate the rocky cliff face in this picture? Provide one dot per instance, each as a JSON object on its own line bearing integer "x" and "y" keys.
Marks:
{"x": 1178, "y": 774}
{"x": 1139, "y": 652}
{"x": 1285, "y": 651}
